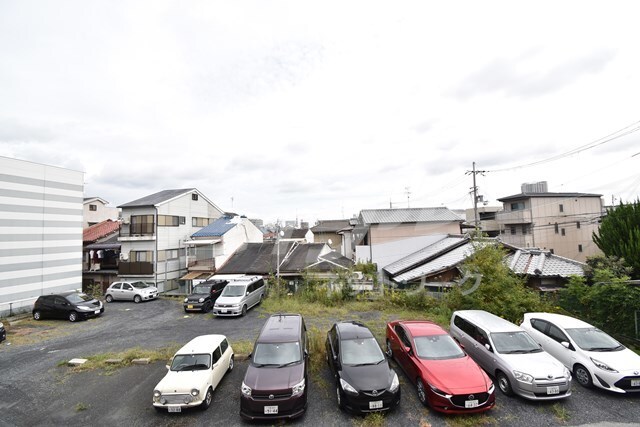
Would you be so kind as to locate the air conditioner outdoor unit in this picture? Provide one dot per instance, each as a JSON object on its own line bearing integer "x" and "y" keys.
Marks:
{"x": 124, "y": 256}
{"x": 126, "y": 221}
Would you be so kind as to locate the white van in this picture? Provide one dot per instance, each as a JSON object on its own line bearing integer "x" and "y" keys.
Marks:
{"x": 508, "y": 353}
{"x": 239, "y": 296}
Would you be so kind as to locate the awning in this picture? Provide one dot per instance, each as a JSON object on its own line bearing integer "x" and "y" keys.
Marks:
{"x": 201, "y": 242}
{"x": 191, "y": 275}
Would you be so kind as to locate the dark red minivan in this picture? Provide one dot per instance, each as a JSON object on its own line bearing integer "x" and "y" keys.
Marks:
{"x": 275, "y": 383}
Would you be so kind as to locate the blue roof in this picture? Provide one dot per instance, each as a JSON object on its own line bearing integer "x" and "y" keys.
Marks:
{"x": 218, "y": 227}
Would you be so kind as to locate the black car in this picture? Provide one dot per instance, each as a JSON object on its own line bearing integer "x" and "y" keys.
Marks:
{"x": 67, "y": 305}
{"x": 3, "y": 332}
{"x": 364, "y": 380}
{"x": 204, "y": 295}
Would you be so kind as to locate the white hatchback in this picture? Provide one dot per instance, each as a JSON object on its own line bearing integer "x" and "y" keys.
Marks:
{"x": 594, "y": 357}
{"x": 195, "y": 372}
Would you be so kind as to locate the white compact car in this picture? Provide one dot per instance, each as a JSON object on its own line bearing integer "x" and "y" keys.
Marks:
{"x": 594, "y": 357}
{"x": 195, "y": 372}
{"x": 135, "y": 291}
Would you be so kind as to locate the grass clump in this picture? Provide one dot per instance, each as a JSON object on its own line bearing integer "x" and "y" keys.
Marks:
{"x": 99, "y": 361}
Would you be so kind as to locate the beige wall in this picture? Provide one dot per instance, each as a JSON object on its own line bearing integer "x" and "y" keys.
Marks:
{"x": 383, "y": 233}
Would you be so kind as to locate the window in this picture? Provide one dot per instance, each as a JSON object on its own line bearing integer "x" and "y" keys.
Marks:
{"x": 141, "y": 256}
{"x": 201, "y": 222}
{"x": 561, "y": 207}
{"x": 579, "y": 248}
{"x": 93, "y": 207}
{"x": 562, "y": 232}
{"x": 183, "y": 220}
{"x": 168, "y": 254}
{"x": 524, "y": 229}
{"x": 517, "y": 206}
{"x": 556, "y": 228}
{"x": 577, "y": 224}
{"x": 168, "y": 221}
{"x": 126, "y": 287}
{"x": 557, "y": 334}
{"x": 551, "y": 250}
{"x": 142, "y": 224}
{"x": 538, "y": 324}
{"x": 216, "y": 355}
{"x": 224, "y": 345}
{"x": 194, "y": 197}
{"x": 513, "y": 229}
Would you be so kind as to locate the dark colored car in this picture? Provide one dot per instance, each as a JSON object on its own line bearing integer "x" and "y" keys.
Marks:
{"x": 3, "y": 332}
{"x": 204, "y": 295}
{"x": 274, "y": 385}
{"x": 67, "y": 305}
{"x": 446, "y": 378}
{"x": 364, "y": 380}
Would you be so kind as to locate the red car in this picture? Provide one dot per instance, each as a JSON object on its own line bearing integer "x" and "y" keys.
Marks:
{"x": 447, "y": 379}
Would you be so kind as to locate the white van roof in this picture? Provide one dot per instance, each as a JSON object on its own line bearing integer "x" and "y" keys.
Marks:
{"x": 202, "y": 344}
{"x": 488, "y": 321}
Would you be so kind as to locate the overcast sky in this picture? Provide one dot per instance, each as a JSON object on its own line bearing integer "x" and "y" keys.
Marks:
{"x": 317, "y": 110}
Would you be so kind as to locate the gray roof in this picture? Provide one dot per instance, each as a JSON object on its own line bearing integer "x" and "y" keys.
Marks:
{"x": 445, "y": 261}
{"x": 532, "y": 195}
{"x": 330, "y": 225}
{"x": 395, "y": 216}
{"x": 157, "y": 198}
{"x": 419, "y": 257}
{"x": 541, "y": 263}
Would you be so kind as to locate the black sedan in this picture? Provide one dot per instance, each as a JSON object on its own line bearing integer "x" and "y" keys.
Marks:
{"x": 364, "y": 380}
{"x": 67, "y": 305}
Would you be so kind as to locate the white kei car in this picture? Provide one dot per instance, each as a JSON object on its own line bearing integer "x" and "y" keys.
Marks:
{"x": 594, "y": 357}
{"x": 195, "y": 372}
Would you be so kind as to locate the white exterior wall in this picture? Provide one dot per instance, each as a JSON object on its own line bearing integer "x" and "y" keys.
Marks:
{"x": 40, "y": 232}
{"x": 102, "y": 213}
{"x": 245, "y": 232}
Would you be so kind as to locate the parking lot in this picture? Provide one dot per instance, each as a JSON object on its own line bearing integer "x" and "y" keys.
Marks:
{"x": 36, "y": 388}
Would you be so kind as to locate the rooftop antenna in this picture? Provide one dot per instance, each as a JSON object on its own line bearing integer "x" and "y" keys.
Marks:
{"x": 407, "y": 192}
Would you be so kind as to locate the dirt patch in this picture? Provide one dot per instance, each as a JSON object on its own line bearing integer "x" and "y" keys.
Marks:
{"x": 29, "y": 331}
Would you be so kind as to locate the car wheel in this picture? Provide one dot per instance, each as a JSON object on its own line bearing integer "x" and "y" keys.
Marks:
{"x": 582, "y": 376}
{"x": 109, "y": 298}
{"x": 207, "y": 399}
{"x": 504, "y": 384}
{"x": 207, "y": 307}
{"x": 389, "y": 350}
{"x": 37, "y": 315}
{"x": 339, "y": 396}
{"x": 244, "y": 309}
{"x": 137, "y": 299}
{"x": 422, "y": 392}
{"x": 260, "y": 300}
{"x": 73, "y": 316}
{"x": 231, "y": 363}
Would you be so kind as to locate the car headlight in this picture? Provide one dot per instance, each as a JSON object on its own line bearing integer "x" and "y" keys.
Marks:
{"x": 83, "y": 308}
{"x": 567, "y": 373}
{"x": 347, "y": 387}
{"x": 156, "y": 395}
{"x": 298, "y": 388}
{"x": 521, "y": 376}
{"x": 201, "y": 300}
{"x": 395, "y": 383}
{"x": 602, "y": 365}
{"x": 195, "y": 392}
{"x": 186, "y": 300}
{"x": 492, "y": 389}
{"x": 439, "y": 392}
{"x": 246, "y": 390}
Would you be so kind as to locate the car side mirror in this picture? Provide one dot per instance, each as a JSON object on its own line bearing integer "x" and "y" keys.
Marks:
{"x": 167, "y": 366}
{"x": 249, "y": 355}
{"x": 566, "y": 345}
{"x": 488, "y": 347}
{"x": 407, "y": 349}
{"x": 247, "y": 292}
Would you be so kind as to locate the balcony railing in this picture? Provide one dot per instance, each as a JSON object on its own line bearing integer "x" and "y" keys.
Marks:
{"x": 514, "y": 217}
{"x": 208, "y": 264}
{"x": 135, "y": 268}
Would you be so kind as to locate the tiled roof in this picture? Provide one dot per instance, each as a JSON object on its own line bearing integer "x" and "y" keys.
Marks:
{"x": 157, "y": 198}
{"x": 531, "y": 195}
{"x": 99, "y": 230}
{"x": 393, "y": 216}
{"x": 218, "y": 227}
{"x": 445, "y": 261}
{"x": 295, "y": 233}
{"x": 543, "y": 264}
{"x": 330, "y": 225}
{"x": 419, "y": 257}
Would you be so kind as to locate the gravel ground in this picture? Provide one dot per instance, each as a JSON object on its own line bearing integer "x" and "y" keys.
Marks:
{"x": 36, "y": 391}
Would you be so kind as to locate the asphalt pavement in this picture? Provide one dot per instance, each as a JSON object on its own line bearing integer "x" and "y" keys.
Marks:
{"x": 37, "y": 390}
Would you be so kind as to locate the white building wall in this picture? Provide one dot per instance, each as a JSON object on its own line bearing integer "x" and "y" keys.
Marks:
{"x": 102, "y": 213}
{"x": 40, "y": 232}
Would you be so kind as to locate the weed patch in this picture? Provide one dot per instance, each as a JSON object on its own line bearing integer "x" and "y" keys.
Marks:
{"x": 99, "y": 361}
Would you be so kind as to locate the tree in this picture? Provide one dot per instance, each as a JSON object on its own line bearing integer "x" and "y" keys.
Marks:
{"x": 613, "y": 265}
{"x": 619, "y": 234}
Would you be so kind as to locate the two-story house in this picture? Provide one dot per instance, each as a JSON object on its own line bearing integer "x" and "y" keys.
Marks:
{"x": 154, "y": 229}
{"x": 561, "y": 223}
{"x": 95, "y": 210}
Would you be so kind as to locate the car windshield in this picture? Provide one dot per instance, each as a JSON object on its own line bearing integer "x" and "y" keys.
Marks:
{"x": 514, "y": 342}
{"x": 360, "y": 351}
{"x": 437, "y": 347}
{"x": 201, "y": 289}
{"x": 593, "y": 339}
{"x": 233, "y": 291}
{"x": 277, "y": 354}
{"x": 140, "y": 285}
{"x": 78, "y": 298}
{"x": 191, "y": 362}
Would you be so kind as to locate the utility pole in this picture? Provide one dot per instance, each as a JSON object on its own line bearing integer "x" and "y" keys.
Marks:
{"x": 474, "y": 172}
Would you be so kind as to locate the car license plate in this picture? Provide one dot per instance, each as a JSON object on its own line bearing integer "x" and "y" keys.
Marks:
{"x": 175, "y": 409}
{"x": 553, "y": 390}
{"x": 635, "y": 383}
{"x": 271, "y": 409}
{"x": 224, "y": 311}
{"x": 189, "y": 306}
{"x": 376, "y": 404}
{"x": 471, "y": 404}
{"x": 97, "y": 312}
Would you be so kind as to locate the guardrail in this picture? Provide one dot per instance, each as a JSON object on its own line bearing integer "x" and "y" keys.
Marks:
{"x": 12, "y": 303}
